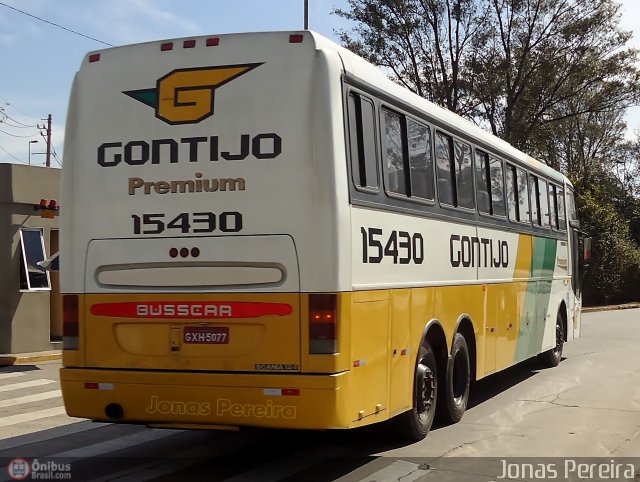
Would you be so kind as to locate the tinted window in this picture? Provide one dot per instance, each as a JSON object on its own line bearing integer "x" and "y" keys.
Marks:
{"x": 464, "y": 175}
{"x": 394, "y": 160}
{"x": 483, "y": 189}
{"x": 562, "y": 220}
{"x": 512, "y": 189}
{"x": 523, "y": 196}
{"x": 443, "y": 165}
{"x": 420, "y": 160}
{"x": 533, "y": 189}
{"x": 362, "y": 141}
{"x": 553, "y": 212}
{"x": 543, "y": 202}
{"x": 497, "y": 187}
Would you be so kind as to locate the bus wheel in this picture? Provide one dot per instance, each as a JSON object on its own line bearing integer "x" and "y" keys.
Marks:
{"x": 457, "y": 383}
{"x": 415, "y": 424}
{"x": 551, "y": 358}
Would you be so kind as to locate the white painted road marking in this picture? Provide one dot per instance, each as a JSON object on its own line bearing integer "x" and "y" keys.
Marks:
{"x": 32, "y": 383}
{"x": 12, "y": 402}
{"x": 28, "y": 417}
{"x": 6, "y": 375}
{"x": 120, "y": 443}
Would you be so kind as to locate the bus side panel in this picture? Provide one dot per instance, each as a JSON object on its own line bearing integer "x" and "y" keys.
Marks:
{"x": 401, "y": 358}
{"x": 368, "y": 389}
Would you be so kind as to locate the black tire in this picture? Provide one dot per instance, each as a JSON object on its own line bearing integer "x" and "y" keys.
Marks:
{"x": 415, "y": 424}
{"x": 551, "y": 358}
{"x": 455, "y": 387}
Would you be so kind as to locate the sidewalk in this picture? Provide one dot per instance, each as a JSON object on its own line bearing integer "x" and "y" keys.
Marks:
{"x": 42, "y": 356}
{"x": 33, "y": 357}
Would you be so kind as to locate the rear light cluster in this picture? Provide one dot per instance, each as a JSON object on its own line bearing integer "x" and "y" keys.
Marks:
{"x": 191, "y": 43}
{"x": 70, "y": 322}
{"x": 323, "y": 324}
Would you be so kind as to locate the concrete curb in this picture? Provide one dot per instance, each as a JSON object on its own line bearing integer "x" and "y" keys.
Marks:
{"x": 626, "y": 306}
{"x": 24, "y": 358}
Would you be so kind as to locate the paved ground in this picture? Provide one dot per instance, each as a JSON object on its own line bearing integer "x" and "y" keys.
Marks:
{"x": 589, "y": 406}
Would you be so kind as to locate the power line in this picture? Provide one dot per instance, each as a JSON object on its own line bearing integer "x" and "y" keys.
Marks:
{"x": 12, "y": 155}
{"x": 56, "y": 158}
{"x": 55, "y": 24}
{"x": 13, "y": 135}
{"x": 9, "y": 124}
{"x": 13, "y": 106}
{"x": 14, "y": 120}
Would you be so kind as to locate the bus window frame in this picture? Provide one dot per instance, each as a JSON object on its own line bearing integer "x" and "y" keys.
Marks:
{"x": 435, "y": 209}
{"x": 452, "y": 139}
{"x": 368, "y": 99}
{"x": 404, "y": 117}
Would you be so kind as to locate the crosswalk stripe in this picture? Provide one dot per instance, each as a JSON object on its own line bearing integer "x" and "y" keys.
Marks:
{"x": 28, "y": 417}
{"x": 32, "y": 383}
{"x": 12, "y": 402}
{"x": 4, "y": 376}
{"x": 101, "y": 448}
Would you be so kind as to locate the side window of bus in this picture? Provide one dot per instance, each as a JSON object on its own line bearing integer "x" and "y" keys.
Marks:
{"x": 497, "y": 187}
{"x": 562, "y": 219}
{"x": 443, "y": 165}
{"x": 420, "y": 160}
{"x": 512, "y": 189}
{"x": 464, "y": 175}
{"x": 362, "y": 141}
{"x": 553, "y": 209}
{"x": 483, "y": 188}
{"x": 543, "y": 199}
{"x": 523, "y": 196}
{"x": 394, "y": 148}
{"x": 572, "y": 212}
{"x": 533, "y": 189}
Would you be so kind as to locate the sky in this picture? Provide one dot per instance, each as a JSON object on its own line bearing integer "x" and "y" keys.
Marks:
{"x": 38, "y": 60}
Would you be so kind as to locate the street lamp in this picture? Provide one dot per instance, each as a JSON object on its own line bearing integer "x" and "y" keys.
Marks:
{"x": 31, "y": 142}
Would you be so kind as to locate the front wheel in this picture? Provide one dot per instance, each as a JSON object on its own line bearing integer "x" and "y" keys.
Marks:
{"x": 416, "y": 423}
{"x": 551, "y": 358}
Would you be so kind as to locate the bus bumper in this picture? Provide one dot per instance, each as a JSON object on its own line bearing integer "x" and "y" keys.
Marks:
{"x": 217, "y": 399}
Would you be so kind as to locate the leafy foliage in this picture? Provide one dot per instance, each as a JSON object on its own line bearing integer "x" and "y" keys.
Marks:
{"x": 552, "y": 77}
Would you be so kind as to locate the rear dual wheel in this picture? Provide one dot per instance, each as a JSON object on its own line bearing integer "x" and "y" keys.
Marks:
{"x": 455, "y": 387}
{"x": 416, "y": 423}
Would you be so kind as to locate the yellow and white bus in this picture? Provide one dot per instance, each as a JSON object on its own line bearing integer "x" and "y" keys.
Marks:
{"x": 263, "y": 230}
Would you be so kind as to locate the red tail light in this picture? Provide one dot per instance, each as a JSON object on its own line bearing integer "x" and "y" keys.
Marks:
{"x": 323, "y": 324}
{"x": 70, "y": 322}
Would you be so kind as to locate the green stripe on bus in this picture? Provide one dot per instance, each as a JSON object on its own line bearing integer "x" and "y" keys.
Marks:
{"x": 536, "y": 303}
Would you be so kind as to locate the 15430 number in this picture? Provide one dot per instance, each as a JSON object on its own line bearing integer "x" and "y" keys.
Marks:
{"x": 401, "y": 246}
{"x": 204, "y": 222}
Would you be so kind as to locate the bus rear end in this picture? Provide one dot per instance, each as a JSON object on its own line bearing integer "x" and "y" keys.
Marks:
{"x": 199, "y": 223}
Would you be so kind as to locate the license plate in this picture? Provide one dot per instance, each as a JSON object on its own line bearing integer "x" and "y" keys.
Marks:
{"x": 215, "y": 335}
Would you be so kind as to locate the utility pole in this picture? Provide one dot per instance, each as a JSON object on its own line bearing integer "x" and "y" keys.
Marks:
{"x": 306, "y": 14}
{"x": 47, "y": 139}
{"x": 48, "y": 162}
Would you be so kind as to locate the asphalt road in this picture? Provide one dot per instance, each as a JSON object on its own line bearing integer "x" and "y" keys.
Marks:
{"x": 588, "y": 406}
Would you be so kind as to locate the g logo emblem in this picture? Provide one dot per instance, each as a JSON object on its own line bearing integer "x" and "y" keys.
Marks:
{"x": 186, "y": 96}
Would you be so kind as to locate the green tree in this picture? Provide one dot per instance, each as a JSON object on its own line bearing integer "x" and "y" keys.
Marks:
{"x": 512, "y": 65}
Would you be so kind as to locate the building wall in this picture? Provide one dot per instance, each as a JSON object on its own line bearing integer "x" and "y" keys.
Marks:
{"x": 25, "y": 317}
